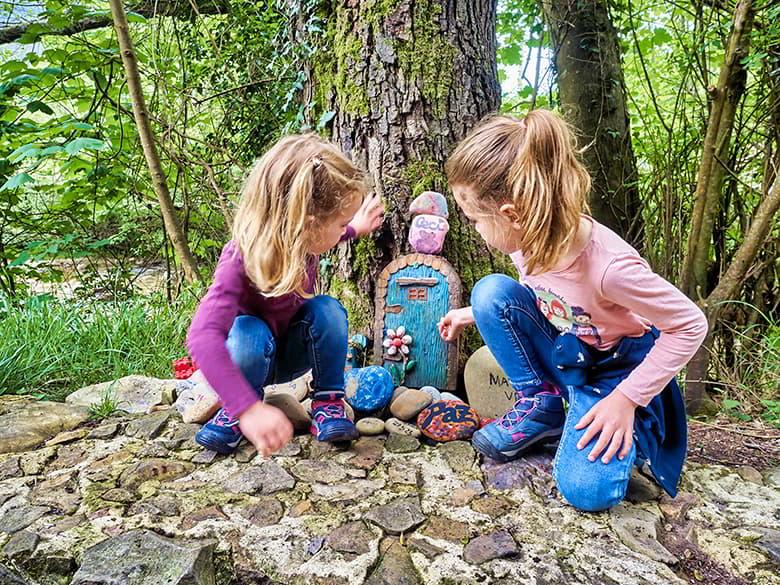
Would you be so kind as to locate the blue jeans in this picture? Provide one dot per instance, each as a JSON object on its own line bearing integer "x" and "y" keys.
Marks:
{"x": 531, "y": 350}
{"x": 315, "y": 340}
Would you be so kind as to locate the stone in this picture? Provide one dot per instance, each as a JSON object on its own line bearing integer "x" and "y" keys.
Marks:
{"x": 21, "y": 544}
{"x": 433, "y": 392}
{"x": 204, "y": 457}
{"x": 245, "y": 453}
{"x": 642, "y": 488}
{"x": 266, "y": 511}
{"x": 769, "y": 542}
{"x": 448, "y": 421}
{"x": 148, "y": 426}
{"x": 194, "y": 518}
{"x": 34, "y": 462}
{"x": 158, "y": 469}
{"x": 20, "y": 517}
{"x": 199, "y": 402}
{"x": 446, "y": 529}
{"x": 162, "y": 505}
{"x": 368, "y": 389}
{"x": 393, "y": 425}
{"x": 399, "y": 516}
{"x": 133, "y": 394}
{"x": 493, "y": 506}
{"x": 312, "y": 471}
{"x": 104, "y": 431}
{"x": 409, "y": 404}
{"x": 404, "y": 473}
{"x": 750, "y": 474}
{"x": 487, "y": 387}
{"x": 60, "y": 493}
{"x": 68, "y": 456}
{"x": 291, "y": 449}
{"x": 370, "y": 426}
{"x": 368, "y": 451}
{"x": 141, "y": 557}
{"x": 291, "y": 407}
{"x": 636, "y": 528}
{"x": 153, "y": 449}
{"x": 307, "y": 405}
{"x": 267, "y": 478}
{"x": 401, "y": 443}
{"x": 422, "y": 545}
{"x": 427, "y": 233}
{"x": 315, "y": 545}
{"x": 429, "y": 203}
{"x": 297, "y": 388}
{"x": 352, "y": 537}
{"x": 676, "y": 509}
{"x": 10, "y": 468}
{"x": 462, "y": 496}
{"x": 533, "y": 471}
{"x": 395, "y": 567}
{"x": 496, "y": 545}
{"x": 346, "y": 491}
{"x": 397, "y": 392}
{"x": 459, "y": 455}
{"x": 67, "y": 437}
{"x": 450, "y": 396}
{"x": 28, "y": 423}
{"x": 119, "y": 495}
{"x": 301, "y": 508}
{"x": 9, "y": 577}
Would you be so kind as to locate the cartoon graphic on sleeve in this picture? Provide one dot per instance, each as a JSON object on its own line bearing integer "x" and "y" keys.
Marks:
{"x": 582, "y": 325}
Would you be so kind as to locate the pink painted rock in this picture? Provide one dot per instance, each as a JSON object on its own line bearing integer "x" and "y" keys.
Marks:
{"x": 430, "y": 203}
{"x": 427, "y": 233}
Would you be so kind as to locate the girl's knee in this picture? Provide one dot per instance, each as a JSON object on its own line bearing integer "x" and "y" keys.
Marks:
{"x": 496, "y": 291}
{"x": 328, "y": 310}
{"x": 251, "y": 344}
{"x": 589, "y": 492}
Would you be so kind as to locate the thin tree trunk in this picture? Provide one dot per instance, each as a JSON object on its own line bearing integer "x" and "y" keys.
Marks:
{"x": 172, "y": 226}
{"x": 593, "y": 95}
{"x": 709, "y": 183}
{"x": 406, "y": 82}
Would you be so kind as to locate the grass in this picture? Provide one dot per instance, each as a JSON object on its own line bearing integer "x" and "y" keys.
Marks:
{"x": 51, "y": 348}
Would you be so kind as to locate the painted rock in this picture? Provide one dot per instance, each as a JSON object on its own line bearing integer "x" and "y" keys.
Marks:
{"x": 487, "y": 387}
{"x": 448, "y": 420}
{"x": 427, "y": 233}
{"x": 294, "y": 410}
{"x": 205, "y": 402}
{"x": 393, "y": 425}
{"x": 298, "y": 387}
{"x": 409, "y": 404}
{"x": 434, "y": 392}
{"x": 430, "y": 203}
{"x": 368, "y": 389}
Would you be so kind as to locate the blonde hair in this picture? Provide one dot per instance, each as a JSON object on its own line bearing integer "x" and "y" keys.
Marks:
{"x": 299, "y": 177}
{"x": 533, "y": 164}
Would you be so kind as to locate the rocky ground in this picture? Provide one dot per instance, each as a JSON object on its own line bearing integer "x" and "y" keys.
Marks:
{"x": 132, "y": 499}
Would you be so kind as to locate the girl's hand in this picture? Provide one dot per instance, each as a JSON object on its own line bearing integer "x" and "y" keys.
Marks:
{"x": 266, "y": 427}
{"x": 369, "y": 217}
{"x": 613, "y": 417}
{"x": 454, "y": 322}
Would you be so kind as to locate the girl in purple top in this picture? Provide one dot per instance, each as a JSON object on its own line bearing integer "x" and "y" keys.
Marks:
{"x": 260, "y": 322}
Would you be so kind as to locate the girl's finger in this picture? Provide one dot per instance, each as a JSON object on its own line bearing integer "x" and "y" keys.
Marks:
{"x": 601, "y": 444}
{"x": 587, "y": 419}
{"x": 587, "y": 437}
{"x": 614, "y": 445}
{"x": 628, "y": 440}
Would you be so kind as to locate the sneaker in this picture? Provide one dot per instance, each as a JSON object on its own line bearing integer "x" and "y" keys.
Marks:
{"x": 330, "y": 422}
{"x": 220, "y": 434}
{"x": 531, "y": 420}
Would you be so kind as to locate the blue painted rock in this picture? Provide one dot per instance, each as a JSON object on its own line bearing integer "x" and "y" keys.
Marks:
{"x": 427, "y": 233}
{"x": 431, "y": 203}
{"x": 448, "y": 420}
{"x": 368, "y": 389}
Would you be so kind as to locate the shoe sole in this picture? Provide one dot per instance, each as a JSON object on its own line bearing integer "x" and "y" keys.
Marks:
{"x": 485, "y": 447}
{"x": 215, "y": 444}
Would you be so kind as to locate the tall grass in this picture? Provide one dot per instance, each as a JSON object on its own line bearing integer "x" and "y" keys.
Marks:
{"x": 50, "y": 347}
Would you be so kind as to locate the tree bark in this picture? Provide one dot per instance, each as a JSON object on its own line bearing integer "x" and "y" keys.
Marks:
{"x": 406, "y": 80}
{"x": 147, "y": 8}
{"x": 709, "y": 182}
{"x": 171, "y": 222}
{"x": 592, "y": 93}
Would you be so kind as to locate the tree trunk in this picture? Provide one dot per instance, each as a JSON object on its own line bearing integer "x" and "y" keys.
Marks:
{"x": 593, "y": 96}
{"x": 172, "y": 226}
{"x": 709, "y": 183}
{"x": 406, "y": 80}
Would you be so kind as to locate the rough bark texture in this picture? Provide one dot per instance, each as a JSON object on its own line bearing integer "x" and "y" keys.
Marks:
{"x": 172, "y": 226}
{"x": 709, "y": 182}
{"x": 592, "y": 94}
{"x": 148, "y": 8}
{"x": 406, "y": 80}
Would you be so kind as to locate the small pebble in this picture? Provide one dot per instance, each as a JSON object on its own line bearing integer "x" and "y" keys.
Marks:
{"x": 370, "y": 426}
{"x": 393, "y": 425}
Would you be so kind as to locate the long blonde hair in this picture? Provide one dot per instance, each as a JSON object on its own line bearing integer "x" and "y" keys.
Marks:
{"x": 533, "y": 164}
{"x": 300, "y": 177}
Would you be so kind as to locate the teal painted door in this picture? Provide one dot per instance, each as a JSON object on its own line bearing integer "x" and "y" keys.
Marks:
{"x": 417, "y": 297}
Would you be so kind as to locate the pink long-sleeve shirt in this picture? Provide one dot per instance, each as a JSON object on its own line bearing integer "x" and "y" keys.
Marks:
{"x": 609, "y": 292}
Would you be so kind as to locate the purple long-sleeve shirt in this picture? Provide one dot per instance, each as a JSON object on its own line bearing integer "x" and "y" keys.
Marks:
{"x": 230, "y": 295}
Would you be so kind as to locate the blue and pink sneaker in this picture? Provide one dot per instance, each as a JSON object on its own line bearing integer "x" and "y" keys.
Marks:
{"x": 329, "y": 421}
{"x": 220, "y": 434}
{"x": 532, "y": 419}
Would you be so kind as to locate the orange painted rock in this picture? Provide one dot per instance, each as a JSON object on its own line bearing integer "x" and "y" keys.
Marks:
{"x": 448, "y": 420}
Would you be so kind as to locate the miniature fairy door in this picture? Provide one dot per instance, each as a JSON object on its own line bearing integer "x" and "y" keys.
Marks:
{"x": 415, "y": 291}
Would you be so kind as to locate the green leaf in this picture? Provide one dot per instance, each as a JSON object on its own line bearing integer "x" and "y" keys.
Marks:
{"x": 325, "y": 118}
{"x": 51, "y": 150}
{"x": 731, "y": 404}
{"x": 24, "y": 151}
{"x": 135, "y": 17}
{"x": 79, "y": 144}
{"x": 17, "y": 181}
{"x": 21, "y": 259}
{"x": 39, "y": 106}
{"x": 410, "y": 365}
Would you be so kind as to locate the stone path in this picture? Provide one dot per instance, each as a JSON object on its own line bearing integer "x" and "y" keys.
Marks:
{"x": 133, "y": 500}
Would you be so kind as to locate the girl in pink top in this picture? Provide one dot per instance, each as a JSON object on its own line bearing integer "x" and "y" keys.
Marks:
{"x": 589, "y": 321}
